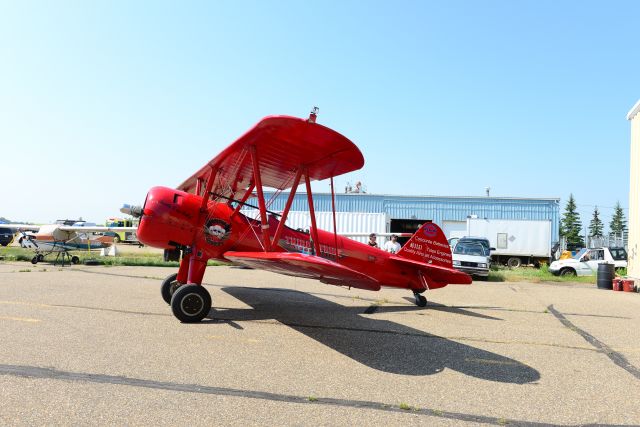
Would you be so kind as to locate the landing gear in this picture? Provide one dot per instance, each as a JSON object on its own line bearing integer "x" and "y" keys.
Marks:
{"x": 40, "y": 257}
{"x": 421, "y": 301}
{"x": 191, "y": 303}
{"x": 34, "y": 260}
{"x": 75, "y": 260}
{"x": 169, "y": 286}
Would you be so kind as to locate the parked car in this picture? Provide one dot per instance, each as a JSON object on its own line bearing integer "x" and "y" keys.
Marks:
{"x": 6, "y": 235}
{"x": 585, "y": 262}
{"x": 472, "y": 255}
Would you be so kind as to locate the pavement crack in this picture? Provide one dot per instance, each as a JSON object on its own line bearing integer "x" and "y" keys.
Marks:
{"x": 36, "y": 372}
{"x": 615, "y": 356}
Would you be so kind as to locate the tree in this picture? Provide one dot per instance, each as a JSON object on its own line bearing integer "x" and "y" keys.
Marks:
{"x": 596, "y": 227}
{"x": 618, "y": 224}
{"x": 570, "y": 224}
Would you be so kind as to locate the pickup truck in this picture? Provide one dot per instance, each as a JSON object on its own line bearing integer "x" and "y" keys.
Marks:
{"x": 471, "y": 255}
{"x": 585, "y": 262}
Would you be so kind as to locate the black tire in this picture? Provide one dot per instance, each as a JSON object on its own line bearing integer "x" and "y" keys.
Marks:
{"x": 514, "y": 262}
{"x": 75, "y": 260}
{"x": 191, "y": 303}
{"x": 116, "y": 239}
{"x": 40, "y": 257}
{"x": 167, "y": 288}
{"x": 34, "y": 260}
{"x": 421, "y": 301}
{"x": 567, "y": 272}
{"x": 5, "y": 244}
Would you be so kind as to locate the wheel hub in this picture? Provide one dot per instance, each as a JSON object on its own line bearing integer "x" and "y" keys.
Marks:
{"x": 173, "y": 287}
{"x": 192, "y": 304}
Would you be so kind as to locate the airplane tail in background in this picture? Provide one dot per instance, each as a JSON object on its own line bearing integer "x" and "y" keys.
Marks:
{"x": 428, "y": 245}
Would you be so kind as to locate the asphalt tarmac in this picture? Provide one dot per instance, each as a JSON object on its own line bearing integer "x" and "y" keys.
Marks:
{"x": 97, "y": 345}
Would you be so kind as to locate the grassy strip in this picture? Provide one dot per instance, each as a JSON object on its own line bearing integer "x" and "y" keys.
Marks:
{"x": 533, "y": 275}
{"x": 497, "y": 273}
{"x": 142, "y": 259}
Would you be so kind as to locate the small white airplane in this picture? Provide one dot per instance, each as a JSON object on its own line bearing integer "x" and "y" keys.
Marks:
{"x": 64, "y": 236}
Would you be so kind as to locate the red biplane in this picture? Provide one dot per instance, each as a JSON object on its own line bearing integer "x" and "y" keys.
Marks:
{"x": 203, "y": 219}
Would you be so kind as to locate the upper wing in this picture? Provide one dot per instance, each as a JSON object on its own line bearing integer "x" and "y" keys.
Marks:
{"x": 94, "y": 229}
{"x": 303, "y": 265}
{"x": 283, "y": 144}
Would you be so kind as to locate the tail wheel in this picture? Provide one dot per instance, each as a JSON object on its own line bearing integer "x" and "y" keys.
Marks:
{"x": 421, "y": 301}
{"x": 75, "y": 260}
{"x": 514, "y": 262}
{"x": 168, "y": 287}
{"x": 191, "y": 303}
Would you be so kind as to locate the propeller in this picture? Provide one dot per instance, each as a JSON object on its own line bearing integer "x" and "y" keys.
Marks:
{"x": 134, "y": 211}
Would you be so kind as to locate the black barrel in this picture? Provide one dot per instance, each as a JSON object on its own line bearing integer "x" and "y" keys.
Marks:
{"x": 606, "y": 272}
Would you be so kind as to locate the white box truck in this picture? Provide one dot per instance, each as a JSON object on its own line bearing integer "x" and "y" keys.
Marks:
{"x": 516, "y": 242}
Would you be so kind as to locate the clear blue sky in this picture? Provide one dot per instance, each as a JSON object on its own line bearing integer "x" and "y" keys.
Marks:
{"x": 99, "y": 101}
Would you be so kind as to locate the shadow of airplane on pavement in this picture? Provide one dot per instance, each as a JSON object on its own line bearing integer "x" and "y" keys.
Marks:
{"x": 377, "y": 343}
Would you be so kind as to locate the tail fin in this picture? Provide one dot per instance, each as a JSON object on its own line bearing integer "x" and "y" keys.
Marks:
{"x": 428, "y": 245}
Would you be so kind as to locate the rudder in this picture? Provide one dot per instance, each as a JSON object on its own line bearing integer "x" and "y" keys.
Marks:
{"x": 428, "y": 245}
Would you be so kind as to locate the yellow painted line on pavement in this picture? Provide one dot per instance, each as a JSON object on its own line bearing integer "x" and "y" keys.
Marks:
{"x": 20, "y": 319}
{"x": 34, "y": 304}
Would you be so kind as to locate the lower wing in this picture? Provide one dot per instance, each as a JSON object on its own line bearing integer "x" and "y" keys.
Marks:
{"x": 303, "y": 265}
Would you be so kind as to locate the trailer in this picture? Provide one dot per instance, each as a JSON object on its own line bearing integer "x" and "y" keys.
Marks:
{"x": 514, "y": 242}
{"x": 355, "y": 225}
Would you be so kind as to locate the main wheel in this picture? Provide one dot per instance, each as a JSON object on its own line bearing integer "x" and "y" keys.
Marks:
{"x": 116, "y": 239}
{"x": 34, "y": 260}
{"x": 567, "y": 272}
{"x": 168, "y": 287}
{"x": 191, "y": 303}
{"x": 514, "y": 262}
{"x": 40, "y": 257}
{"x": 421, "y": 301}
{"x": 75, "y": 260}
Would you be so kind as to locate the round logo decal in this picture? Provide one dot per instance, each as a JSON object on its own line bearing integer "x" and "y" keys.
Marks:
{"x": 216, "y": 231}
{"x": 430, "y": 230}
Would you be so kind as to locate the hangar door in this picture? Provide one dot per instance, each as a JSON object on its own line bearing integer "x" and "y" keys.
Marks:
{"x": 454, "y": 228}
{"x": 406, "y": 226}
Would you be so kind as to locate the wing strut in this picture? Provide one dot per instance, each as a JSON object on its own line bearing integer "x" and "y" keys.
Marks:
{"x": 263, "y": 209}
{"x": 207, "y": 193}
{"x": 335, "y": 226}
{"x": 314, "y": 229}
{"x": 283, "y": 218}
{"x": 243, "y": 200}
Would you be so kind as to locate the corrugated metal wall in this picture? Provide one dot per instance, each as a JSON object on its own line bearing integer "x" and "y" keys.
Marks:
{"x": 437, "y": 209}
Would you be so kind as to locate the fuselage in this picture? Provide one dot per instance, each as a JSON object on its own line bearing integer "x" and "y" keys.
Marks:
{"x": 172, "y": 218}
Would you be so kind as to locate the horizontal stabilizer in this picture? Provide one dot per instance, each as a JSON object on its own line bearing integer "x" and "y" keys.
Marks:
{"x": 436, "y": 276}
{"x": 304, "y": 265}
